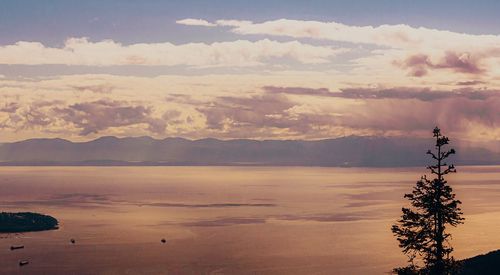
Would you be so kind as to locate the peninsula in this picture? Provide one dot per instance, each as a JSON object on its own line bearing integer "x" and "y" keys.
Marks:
{"x": 26, "y": 222}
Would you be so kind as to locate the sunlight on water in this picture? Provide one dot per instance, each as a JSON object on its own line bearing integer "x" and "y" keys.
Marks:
{"x": 270, "y": 220}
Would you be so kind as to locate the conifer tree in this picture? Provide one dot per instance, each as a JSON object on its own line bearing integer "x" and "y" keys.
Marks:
{"x": 421, "y": 231}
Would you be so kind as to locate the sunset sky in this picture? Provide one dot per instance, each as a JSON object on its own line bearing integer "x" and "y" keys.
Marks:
{"x": 249, "y": 69}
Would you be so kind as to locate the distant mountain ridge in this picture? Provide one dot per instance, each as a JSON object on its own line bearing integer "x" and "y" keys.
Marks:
{"x": 345, "y": 151}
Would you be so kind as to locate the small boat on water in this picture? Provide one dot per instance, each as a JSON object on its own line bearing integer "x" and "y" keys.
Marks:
{"x": 163, "y": 240}
{"x": 23, "y": 262}
{"x": 14, "y": 247}
{"x": 73, "y": 241}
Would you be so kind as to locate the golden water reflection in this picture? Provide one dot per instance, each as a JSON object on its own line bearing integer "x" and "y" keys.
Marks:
{"x": 229, "y": 220}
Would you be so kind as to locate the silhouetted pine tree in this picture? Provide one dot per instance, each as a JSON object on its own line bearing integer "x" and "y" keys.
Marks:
{"x": 421, "y": 231}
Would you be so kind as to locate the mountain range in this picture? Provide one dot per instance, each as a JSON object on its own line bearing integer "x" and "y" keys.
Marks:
{"x": 346, "y": 151}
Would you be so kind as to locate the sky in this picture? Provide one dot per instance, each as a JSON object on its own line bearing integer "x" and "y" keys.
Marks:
{"x": 249, "y": 69}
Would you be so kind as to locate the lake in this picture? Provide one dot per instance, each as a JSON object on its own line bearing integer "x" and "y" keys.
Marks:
{"x": 229, "y": 220}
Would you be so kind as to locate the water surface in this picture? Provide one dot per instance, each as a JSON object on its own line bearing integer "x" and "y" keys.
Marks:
{"x": 229, "y": 220}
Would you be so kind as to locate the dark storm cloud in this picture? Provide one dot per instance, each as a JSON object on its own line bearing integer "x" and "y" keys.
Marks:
{"x": 460, "y": 62}
{"x": 34, "y": 117}
{"x": 263, "y": 110}
{"x": 470, "y": 83}
{"x": 95, "y": 116}
{"x": 259, "y": 113}
{"x": 88, "y": 117}
{"x": 411, "y": 115}
{"x": 10, "y": 107}
{"x": 396, "y": 109}
{"x": 419, "y": 64}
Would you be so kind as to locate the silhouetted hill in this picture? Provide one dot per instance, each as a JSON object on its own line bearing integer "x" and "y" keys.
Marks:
{"x": 26, "y": 222}
{"x": 488, "y": 264}
{"x": 346, "y": 151}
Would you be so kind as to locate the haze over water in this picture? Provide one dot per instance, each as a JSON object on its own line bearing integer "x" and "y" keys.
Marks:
{"x": 266, "y": 220}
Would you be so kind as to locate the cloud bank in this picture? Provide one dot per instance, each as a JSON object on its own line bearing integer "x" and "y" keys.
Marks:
{"x": 417, "y": 49}
{"x": 286, "y": 79}
{"x": 239, "y": 53}
{"x": 399, "y": 36}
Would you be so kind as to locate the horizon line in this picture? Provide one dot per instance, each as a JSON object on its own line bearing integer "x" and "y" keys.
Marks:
{"x": 212, "y": 138}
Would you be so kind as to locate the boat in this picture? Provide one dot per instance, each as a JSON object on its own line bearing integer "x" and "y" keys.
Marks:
{"x": 23, "y": 262}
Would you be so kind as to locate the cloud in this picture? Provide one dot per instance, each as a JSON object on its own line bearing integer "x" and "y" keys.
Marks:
{"x": 399, "y": 36}
{"x": 34, "y": 117}
{"x": 264, "y": 110}
{"x": 266, "y": 115}
{"x": 424, "y": 94}
{"x": 458, "y": 62}
{"x": 299, "y": 91}
{"x": 377, "y": 112}
{"x": 10, "y": 107}
{"x": 260, "y": 106}
{"x": 239, "y": 53}
{"x": 173, "y": 117}
{"x": 93, "y": 117}
{"x": 456, "y": 114}
{"x": 195, "y": 22}
{"x": 232, "y": 23}
{"x": 470, "y": 83}
{"x": 221, "y": 22}
{"x": 95, "y": 88}
{"x": 419, "y": 49}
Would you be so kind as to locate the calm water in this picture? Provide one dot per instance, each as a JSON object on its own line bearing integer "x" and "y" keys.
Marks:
{"x": 228, "y": 220}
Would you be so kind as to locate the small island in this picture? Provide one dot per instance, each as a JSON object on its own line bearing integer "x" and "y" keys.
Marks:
{"x": 26, "y": 222}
